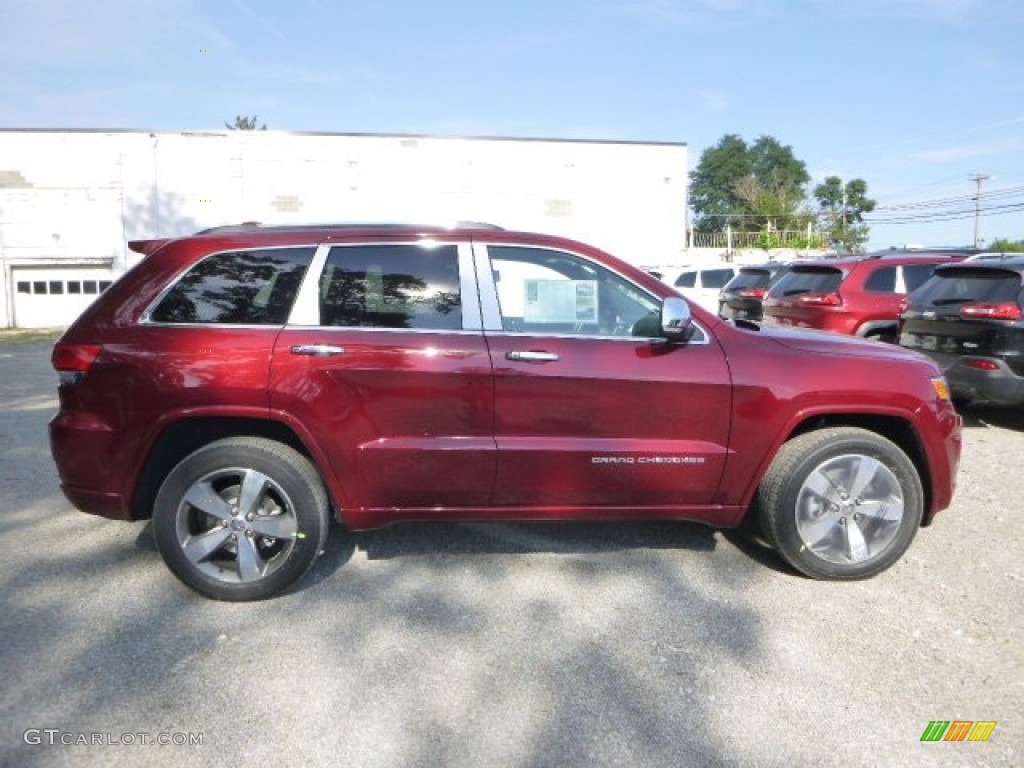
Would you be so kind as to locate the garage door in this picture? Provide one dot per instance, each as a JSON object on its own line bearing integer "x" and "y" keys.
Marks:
{"x": 48, "y": 298}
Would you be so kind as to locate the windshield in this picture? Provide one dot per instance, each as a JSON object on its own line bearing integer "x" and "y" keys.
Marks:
{"x": 808, "y": 280}
{"x": 965, "y": 286}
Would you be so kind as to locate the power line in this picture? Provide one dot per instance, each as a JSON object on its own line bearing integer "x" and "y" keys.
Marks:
{"x": 1008, "y": 200}
{"x": 939, "y": 202}
{"x": 966, "y": 213}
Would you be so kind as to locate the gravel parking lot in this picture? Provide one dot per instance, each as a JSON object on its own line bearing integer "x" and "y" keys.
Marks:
{"x": 505, "y": 645}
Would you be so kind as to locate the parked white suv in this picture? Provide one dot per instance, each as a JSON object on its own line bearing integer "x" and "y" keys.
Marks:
{"x": 702, "y": 283}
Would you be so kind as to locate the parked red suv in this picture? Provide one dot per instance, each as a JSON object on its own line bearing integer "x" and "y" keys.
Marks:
{"x": 240, "y": 387}
{"x": 856, "y": 295}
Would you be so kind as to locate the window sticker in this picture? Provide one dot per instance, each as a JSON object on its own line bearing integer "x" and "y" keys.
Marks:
{"x": 560, "y": 301}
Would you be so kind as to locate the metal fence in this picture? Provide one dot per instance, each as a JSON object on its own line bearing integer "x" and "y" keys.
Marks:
{"x": 730, "y": 240}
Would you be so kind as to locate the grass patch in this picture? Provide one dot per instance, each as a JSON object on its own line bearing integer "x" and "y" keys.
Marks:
{"x": 16, "y": 336}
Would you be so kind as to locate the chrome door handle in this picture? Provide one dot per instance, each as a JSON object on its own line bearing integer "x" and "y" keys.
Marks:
{"x": 317, "y": 350}
{"x": 532, "y": 356}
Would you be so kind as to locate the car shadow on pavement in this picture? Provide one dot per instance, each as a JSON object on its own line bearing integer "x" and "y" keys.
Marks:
{"x": 470, "y": 539}
{"x": 559, "y": 538}
{"x": 987, "y": 416}
{"x": 510, "y": 538}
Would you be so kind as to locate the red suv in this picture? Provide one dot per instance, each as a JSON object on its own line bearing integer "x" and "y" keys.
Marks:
{"x": 856, "y": 295}
{"x": 241, "y": 387}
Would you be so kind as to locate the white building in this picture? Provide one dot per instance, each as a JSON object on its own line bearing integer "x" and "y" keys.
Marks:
{"x": 70, "y": 200}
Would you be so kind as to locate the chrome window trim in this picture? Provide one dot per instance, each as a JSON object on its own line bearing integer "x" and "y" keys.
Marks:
{"x": 375, "y": 329}
{"x": 223, "y": 326}
{"x": 309, "y": 295}
{"x": 635, "y": 339}
{"x": 491, "y": 307}
{"x": 146, "y": 317}
{"x": 306, "y": 309}
{"x": 472, "y": 316}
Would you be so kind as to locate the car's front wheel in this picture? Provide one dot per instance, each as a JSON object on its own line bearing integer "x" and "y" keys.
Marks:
{"x": 242, "y": 518}
{"x": 841, "y": 503}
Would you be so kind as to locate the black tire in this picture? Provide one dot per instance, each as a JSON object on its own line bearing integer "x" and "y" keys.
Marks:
{"x": 230, "y": 547}
{"x": 840, "y": 503}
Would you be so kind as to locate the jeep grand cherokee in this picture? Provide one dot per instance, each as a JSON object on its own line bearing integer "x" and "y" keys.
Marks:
{"x": 240, "y": 387}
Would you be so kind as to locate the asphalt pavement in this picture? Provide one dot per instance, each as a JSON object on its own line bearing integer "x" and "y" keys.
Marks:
{"x": 646, "y": 644}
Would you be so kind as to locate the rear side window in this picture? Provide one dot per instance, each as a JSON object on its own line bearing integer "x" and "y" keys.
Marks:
{"x": 969, "y": 286}
{"x": 716, "y": 278}
{"x": 238, "y": 288}
{"x": 392, "y": 286}
{"x": 808, "y": 280}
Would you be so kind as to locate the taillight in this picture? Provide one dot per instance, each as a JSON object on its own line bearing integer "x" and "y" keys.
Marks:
{"x": 73, "y": 361}
{"x": 822, "y": 299}
{"x": 903, "y": 306}
{"x": 1006, "y": 310}
{"x": 982, "y": 365}
{"x": 753, "y": 293}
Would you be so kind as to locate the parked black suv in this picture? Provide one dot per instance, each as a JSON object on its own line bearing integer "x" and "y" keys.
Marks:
{"x": 969, "y": 317}
{"x": 741, "y": 297}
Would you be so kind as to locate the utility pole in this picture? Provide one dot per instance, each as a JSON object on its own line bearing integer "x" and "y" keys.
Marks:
{"x": 977, "y": 178}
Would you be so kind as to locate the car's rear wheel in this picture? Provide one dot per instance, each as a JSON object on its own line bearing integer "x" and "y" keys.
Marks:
{"x": 841, "y": 503}
{"x": 242, "y": 518}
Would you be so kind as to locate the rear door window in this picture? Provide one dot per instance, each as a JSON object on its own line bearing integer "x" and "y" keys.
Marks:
{"x": 915, "y": 275}
{"x": 392, "y": 286}
{"x": 254, "y": 287}
{"x": 882, "y": 280}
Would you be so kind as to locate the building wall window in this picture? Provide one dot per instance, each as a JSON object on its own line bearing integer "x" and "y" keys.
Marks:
{"x": 60, "y": 287}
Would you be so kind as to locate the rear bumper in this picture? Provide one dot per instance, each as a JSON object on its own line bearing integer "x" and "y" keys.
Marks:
{"x": 94, "y": 502}
{"x": 833, "y": 320}
{"x": 740, "y": 309}
{"x": 85, "y": 451}
{"x": 1000, "y": 385}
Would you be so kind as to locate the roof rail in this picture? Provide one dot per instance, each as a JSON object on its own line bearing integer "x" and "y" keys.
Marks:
{"x": 476, "y": 225}
{"x": 224, "y": 229}
{"x": 903, "y": 253}
{"x": 255, "y": 226}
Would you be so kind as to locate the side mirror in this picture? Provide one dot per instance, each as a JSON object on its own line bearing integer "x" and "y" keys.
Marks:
{"x": 676, "y": 324}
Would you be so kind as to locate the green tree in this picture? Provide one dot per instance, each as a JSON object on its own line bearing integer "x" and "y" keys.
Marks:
{"x": 244, "y": 123}
{"x": 713, "y": 185}
{"x": 841, "y": 209}
{"x": 751, "y": 188}
{"x": 1007, "y": 246}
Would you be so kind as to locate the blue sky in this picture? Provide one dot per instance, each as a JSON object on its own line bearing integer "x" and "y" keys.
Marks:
{"x": 914, "y": 96}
